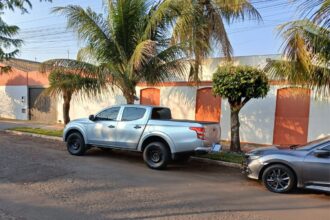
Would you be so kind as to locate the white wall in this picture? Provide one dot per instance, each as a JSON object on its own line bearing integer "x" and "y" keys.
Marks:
{"x": 181, "y": 100}
{"x": 83, "y": 107}
{"x": 11, "y": 103}
{"x": 211, "y": 65}
{"x": 257, "y": 119}
{"x": 319, "y": 119}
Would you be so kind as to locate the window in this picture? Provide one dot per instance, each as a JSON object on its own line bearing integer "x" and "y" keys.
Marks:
{"x": 327, "y": 148}
{"x": 108, "y": 114}
{"x": 161, "y": 114}
{"x": 133, "y": 113}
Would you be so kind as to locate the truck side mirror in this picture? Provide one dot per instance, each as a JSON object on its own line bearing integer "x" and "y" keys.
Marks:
{"x": 91, "y": 117}
{"x": 321, "y": 153}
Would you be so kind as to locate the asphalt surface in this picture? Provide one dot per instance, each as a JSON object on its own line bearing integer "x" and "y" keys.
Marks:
{"x": 40, "y": 180}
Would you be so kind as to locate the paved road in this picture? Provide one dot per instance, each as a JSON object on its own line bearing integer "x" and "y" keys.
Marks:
{"x": 39, "y": 180}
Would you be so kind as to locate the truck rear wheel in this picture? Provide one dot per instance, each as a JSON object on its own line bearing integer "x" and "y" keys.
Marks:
{"x": 156, "y": 155}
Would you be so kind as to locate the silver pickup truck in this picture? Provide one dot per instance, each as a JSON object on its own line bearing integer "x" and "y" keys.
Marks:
{"x": 146, "y": 129}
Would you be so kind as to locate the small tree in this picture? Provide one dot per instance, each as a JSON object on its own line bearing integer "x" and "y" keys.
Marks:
{"x": 239, "y": 84}
{"x": 67, "y": 83}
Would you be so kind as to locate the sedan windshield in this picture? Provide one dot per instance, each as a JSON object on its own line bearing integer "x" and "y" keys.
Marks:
{"x": 313, "y": 144}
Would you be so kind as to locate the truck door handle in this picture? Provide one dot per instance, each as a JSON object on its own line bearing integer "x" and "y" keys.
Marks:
{"x": 137, "y": 126}
{"x": 111, "y": 126}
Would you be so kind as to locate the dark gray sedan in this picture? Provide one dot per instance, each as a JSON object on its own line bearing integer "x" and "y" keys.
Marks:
{"x": 281, "y": 170}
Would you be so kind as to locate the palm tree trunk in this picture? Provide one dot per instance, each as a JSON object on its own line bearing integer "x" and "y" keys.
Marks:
{"x": 129, "y": 95}
{"x": 235, "y": 138}
{"x": 66, "y": 106}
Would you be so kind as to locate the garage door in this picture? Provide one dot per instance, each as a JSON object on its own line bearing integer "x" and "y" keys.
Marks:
{"x": 208, "y": 107}
{"x": 291, "y": 116}
{"x": 41, "y": 108}
{"x": 150, "y": 96}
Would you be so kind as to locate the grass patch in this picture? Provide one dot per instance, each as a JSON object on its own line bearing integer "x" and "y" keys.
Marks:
{"x": 54, "y": 133}
{"x": 225, "y": 156}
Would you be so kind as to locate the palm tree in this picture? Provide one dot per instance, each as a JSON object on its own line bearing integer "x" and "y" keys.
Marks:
{"x": 65, "y": 81}
{"x": 118, "y": 44}
{"x": 202, "y": 24}
{"x": 306, "y": 48}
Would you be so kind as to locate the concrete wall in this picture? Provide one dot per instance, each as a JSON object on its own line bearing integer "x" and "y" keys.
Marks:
{"x": 319, "y": 119}
{"x": 12, "y": 104}
{"x": 82, "y": 107}
{"x": 257, "y": 119}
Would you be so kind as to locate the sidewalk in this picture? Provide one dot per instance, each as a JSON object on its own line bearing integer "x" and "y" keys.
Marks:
{"x": 9, "y": 123}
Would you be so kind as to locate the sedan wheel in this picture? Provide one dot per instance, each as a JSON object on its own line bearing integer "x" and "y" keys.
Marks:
{"x": 278, "y": 178}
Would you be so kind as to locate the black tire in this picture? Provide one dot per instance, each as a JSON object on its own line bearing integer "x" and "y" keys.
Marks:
{"x": 156, "y": 155}
{"x": 76, "y": 144}
{"x": 279, "y": 178}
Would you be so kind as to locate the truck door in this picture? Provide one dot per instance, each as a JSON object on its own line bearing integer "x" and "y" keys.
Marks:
{"x": 103, "y": 130}
{"x": 131, "y": 127}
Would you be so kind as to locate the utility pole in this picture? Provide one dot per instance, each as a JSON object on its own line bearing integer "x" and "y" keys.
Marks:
{"x": 68, "y": 54}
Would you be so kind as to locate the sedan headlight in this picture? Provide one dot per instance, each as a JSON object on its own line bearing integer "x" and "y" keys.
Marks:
{"x": 253, "y": 155}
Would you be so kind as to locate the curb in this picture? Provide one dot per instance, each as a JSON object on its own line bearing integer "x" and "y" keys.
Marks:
{"x": 216, "y": 162}
{"x": 197, "y": 159}
{"x": 35, "y": 135}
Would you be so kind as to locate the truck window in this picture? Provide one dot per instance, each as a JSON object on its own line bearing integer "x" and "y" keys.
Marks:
{"x": 133, "y": 113}
{"x": 161, "y": 114}
{"x": 109, "y": 114}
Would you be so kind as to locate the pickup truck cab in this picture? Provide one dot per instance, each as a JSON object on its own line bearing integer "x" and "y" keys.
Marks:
{"x": 147, "y": 129}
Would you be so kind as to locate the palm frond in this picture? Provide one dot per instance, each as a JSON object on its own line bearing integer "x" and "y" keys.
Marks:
{"x": 232, "y": 10}
{"x": 142, "y": 54}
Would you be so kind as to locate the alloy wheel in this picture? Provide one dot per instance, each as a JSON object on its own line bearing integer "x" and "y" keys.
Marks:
{"x": 278, "y": 179}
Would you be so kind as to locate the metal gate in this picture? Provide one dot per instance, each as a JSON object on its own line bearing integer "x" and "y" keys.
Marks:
{"x": 292, "y": 116}
{"x": 208, "y": 107}
{"x": 150, "y": 96}
{"x": 41, "y": 108}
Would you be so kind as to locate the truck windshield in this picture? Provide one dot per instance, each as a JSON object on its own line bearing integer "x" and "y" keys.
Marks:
{"x": 161, "y": 114}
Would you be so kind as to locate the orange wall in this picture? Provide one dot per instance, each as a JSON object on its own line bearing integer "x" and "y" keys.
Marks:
{"x": 38, "y": 79}
{"x": 19, "y": 78}
{"x": 202, "y": 83}
{"x": 14, "y": 78}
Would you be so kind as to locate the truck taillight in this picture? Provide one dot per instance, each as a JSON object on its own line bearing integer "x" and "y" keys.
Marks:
{"x": 199, "y": 131}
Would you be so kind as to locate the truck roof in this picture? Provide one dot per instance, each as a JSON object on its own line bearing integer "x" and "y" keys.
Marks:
{"x": 138, "y": 105}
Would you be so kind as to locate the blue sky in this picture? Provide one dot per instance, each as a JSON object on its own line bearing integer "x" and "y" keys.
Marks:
{"x": 46, "y": 37}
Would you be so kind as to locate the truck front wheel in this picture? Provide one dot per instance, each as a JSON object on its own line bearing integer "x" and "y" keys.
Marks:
{"x": 156, "y": 155}
{"x": 76, "y": 144}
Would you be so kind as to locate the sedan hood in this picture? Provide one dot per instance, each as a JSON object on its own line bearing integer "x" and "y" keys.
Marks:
{"x": 276, "y": 150}
{"x": 270, "y": 149}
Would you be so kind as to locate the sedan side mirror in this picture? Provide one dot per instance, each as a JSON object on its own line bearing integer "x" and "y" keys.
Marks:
{"x": 322, "y": 153}
{"x": 91, "y": 117}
